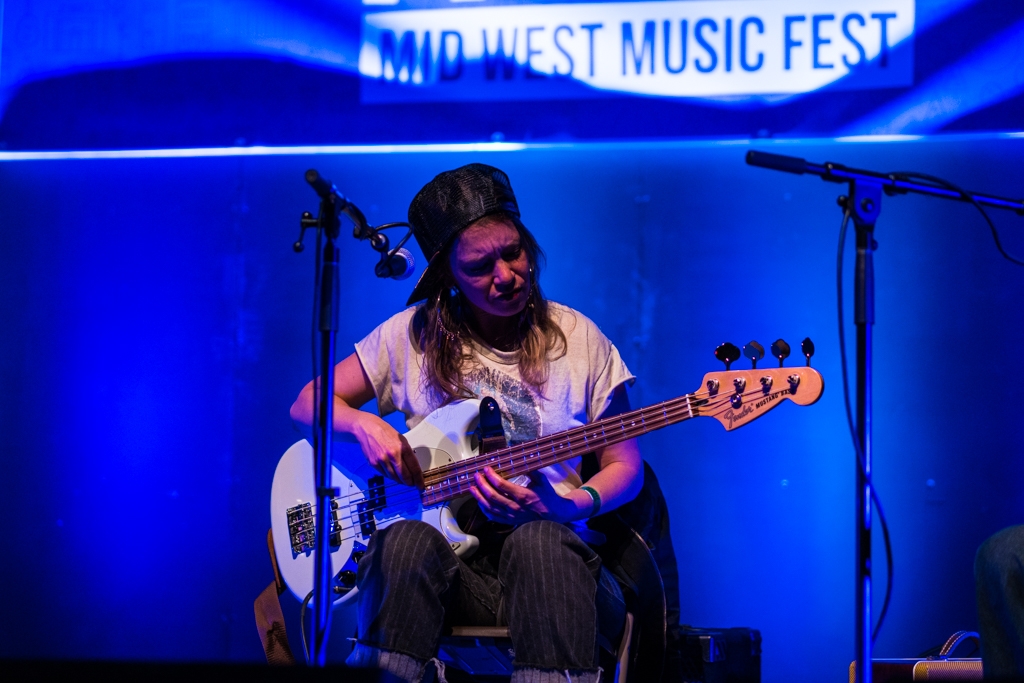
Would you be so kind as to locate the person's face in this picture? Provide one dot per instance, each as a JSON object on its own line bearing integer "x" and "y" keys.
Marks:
{"x": 491, "y": 268}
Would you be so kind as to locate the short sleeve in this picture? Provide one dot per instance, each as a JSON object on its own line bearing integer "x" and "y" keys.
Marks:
{"x": 607, "y": 370}
{"x": 375, "y": 358}
{"x": 393, "y": 363}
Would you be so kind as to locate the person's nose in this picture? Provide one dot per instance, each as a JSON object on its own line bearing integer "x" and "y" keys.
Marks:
{"x": 504, "y": 276}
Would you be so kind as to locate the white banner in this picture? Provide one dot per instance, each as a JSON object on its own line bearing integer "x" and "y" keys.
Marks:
{"x": 716, "y": 49}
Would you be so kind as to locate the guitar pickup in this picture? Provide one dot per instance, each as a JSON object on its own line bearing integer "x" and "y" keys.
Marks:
{"x": 376, "y": 499}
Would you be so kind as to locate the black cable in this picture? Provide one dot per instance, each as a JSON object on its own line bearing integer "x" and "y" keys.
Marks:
{"x": 853, "y": 433}
{"x": 902, "y": 175}
{"x": 906, "y": 175}
{"x": 302, "y": 626}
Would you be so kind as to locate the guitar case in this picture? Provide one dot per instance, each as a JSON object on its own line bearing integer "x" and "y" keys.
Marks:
{"x": 639, "y": 553}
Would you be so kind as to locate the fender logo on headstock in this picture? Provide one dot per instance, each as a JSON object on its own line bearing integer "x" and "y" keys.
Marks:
{"x": 733, "y": 416}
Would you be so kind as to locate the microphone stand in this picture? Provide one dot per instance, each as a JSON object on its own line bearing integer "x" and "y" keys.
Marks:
{"x": 328, "y": 228}
{"x": 864, "y": 202}
{"x": 326, "y": 298}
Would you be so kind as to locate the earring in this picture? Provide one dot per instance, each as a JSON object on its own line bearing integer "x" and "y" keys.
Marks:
{"x": 533, "y": 291}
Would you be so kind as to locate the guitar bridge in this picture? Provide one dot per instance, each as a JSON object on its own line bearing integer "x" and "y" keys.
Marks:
{"x": 302, "y": 528}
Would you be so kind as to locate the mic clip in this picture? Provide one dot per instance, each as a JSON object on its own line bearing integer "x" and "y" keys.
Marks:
{"x": 307, "y": 221}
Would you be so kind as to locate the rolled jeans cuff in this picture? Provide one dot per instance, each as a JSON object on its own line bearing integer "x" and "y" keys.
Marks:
{"x": 408, "y": 669}
{"x": 534, "y": 675}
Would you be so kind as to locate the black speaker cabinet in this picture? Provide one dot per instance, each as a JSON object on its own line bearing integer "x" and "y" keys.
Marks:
{"x": 717, "y": 655}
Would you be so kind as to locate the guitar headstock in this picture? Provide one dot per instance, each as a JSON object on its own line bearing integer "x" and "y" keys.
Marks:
{"x": 736, "y": 397}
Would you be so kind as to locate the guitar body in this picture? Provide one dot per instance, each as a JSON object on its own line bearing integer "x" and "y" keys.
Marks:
{"x": 444, "y": 437}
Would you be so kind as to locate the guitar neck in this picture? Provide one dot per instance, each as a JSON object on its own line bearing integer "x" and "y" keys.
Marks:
{"x": 451, "y": 481}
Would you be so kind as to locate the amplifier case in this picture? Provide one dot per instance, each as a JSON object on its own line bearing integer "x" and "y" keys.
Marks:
{"x": 900, "y": 670}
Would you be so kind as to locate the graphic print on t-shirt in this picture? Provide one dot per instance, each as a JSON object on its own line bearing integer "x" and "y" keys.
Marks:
{"x": 520, "y": 414}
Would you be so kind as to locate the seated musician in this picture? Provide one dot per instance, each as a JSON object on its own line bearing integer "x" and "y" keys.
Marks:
{"x": 481, "y": 327}
{"x": 999, "y": 582}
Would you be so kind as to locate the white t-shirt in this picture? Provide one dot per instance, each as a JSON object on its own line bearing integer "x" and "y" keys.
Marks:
{"x": 578, "y": 389}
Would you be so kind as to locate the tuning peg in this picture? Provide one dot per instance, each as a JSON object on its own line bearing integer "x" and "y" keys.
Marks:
{"x": 807, "y": 347}
{"x": 780, "y": 349}
{"x": 754, "y": 352}
{"x": 727, "y": 353}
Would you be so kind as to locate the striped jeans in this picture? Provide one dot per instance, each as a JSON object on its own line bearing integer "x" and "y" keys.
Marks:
{"x": 547, "y": 586}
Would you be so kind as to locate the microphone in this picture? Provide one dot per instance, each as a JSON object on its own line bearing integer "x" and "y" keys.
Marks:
{"x": 397, "y": 266}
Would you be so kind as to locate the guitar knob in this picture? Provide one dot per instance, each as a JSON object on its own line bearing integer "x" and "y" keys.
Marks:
{"x": 780, "y": 349}
{"x": 766, "y": 383}
{"x": 807, "y": 348}
{"x": 740, "y": 383}
{"x": 727, "y": 353}
{"x": 347, "y": 578}
{"x": 794, "y": 382}
{"x": 712, "y": 386}
{"x": 754, "y": 352}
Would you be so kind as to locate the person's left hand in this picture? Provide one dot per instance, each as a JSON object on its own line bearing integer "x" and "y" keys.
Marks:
{"x": 507, "y": 503}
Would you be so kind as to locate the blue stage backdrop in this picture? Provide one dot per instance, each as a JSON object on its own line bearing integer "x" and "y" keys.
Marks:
{"x": 170, "y": 73}
{"x": 156, "y": 328}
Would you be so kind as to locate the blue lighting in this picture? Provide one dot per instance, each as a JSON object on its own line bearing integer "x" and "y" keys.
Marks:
{"x": 475, "y": 147}
{"x": 155, "y": 322}
{"x": 990, "y": 74}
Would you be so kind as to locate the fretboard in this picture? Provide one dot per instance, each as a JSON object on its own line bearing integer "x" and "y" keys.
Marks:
{"x": 453, "y": 480}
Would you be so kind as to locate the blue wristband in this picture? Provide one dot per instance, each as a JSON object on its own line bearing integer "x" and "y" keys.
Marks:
{"x": 596, "y": 497}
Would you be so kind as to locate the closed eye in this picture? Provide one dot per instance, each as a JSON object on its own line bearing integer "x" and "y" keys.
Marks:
{"x": 478, "y": 268}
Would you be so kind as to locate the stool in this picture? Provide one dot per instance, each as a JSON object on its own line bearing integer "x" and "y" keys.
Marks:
{"x": 487, "y": 650}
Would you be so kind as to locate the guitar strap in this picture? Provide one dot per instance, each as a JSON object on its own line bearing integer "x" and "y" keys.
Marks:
{"x": 492, "y": 434}
{"x": 469, "y": 517}
{"x": 270, "y": 619}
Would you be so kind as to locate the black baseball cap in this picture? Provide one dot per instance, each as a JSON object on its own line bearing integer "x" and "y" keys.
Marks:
{"x": 449, "y": 204}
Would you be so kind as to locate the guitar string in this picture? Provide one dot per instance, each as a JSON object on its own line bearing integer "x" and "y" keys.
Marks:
{"x": 578, "y": 440}
{"x": 439, "y": 474}
{"x": 414, "y": 497}
{"x": 445, "y": 472}
{"x": 532, "y": 458}
{"x": 599, "y": 429}
{"x": 534, "y": 446}
{"x": 409, "y": 495}
{"x": 341, "y": 528}
{"x": 505, "y": 454}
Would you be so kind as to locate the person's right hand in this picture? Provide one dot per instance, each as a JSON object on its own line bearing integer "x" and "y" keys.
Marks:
{"x": 387, "y": 451}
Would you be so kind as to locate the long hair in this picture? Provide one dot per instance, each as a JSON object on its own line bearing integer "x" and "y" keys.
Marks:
{"x": 445, "y": 328}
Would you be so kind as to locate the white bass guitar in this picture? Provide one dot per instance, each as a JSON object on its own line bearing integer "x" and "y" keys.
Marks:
{"x": 446, "y": 447}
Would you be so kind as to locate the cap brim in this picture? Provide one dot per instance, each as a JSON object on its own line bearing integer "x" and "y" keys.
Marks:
{"x": 419, "y": 292}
